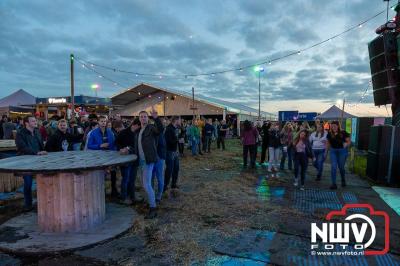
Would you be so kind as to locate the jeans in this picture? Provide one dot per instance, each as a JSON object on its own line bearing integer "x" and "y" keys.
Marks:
{"x": 300, "y": 161}
{"x": 289, "y": 154}
{"x": 252, "y": 150}
{"x": 338, "y": 160}
{"x": 221, "y": 141}
{"x": 28, "y": 190}
{"x": 207, "y": 143}
{"x": 171, "y": 169}
{"x": 273, "y": 157}
{"x": 194, "y": 146}
{"x": 319, "y": 156}
{"x": 158, "y": 172}
{"x": 129, "y": 174}
{"x": 147, "y": 176}
{"x": 76, "y": 146}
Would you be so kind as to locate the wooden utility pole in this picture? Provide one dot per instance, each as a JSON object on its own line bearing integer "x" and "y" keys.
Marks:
{"x": 194, "y": 108}
{"x": 341, "y": 117}
{"x": 72, "y": 87}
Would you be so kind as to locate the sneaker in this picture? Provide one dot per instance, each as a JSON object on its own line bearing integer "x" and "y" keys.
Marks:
{"x": 296, "y": 182}
{"x": 152, "y": 214}
{"x": 302, "y": 187}
{"x": 334, "y": 186}
{"x": 269, "y": 170}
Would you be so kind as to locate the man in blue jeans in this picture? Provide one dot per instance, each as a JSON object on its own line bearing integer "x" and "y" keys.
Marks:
{"x": 148, "y": 157}
{"x": 29, "y": 142}
{"x": 126, "y": 142}
{"x": 102, "y": 138}
{"x": 172, "y": 159}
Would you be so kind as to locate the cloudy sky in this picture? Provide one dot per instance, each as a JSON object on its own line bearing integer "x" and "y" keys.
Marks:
{"x": 177, "y": 37}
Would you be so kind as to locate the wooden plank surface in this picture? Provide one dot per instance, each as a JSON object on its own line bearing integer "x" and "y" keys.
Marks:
{"x": 70, "y": 202}
{"x": 9, "y": 182}
{"x": 70, "y": 161}
{"x": 7, "y": 145}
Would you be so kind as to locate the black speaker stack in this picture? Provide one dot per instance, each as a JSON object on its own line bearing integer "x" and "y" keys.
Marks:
{"x": 384, "y": 66}
{"x": 379, "y": 149}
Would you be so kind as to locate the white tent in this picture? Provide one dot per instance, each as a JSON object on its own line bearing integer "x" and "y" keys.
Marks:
{"x": 334, "y": 113}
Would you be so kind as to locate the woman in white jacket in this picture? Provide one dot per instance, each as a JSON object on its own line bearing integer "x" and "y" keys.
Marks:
{"x": 319, "y": 141}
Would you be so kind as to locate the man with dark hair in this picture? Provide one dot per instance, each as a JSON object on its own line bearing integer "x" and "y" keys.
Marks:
{"x": 61, "y": 140}
{"x": 29, "y": 142}
{"x": 208, "y": 133}
{"x": 8, "y": 128}
{"x": 102, "y": 138}
{"x": 222, "y": 129}
{"x": 172, "y": 158}
{"x": 147, "y": 148}
{"x": 127, "y": 143}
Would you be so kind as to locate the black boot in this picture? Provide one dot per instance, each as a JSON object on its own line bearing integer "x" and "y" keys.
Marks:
{"x": 333, "y": 186}
{"x": 343, "y": 182}
{"x": 152, "y": 214}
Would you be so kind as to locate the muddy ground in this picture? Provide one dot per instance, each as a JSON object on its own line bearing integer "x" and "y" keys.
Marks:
{"x": 223, "y": 215}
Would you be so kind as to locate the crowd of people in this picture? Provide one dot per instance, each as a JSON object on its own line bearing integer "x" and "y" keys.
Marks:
{"x": 158, "y": 143}
{"x": 297, "y": 144}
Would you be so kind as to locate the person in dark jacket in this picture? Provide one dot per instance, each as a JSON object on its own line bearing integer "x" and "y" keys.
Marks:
{"x": 265, "y": 136}
{"x": 61, "y": 140}
{"x": 172, "y": 159}
{"x": 127, "y": 143}
{"x": 29, "y": 142}
{"x": 8, "y": 128}
{"x": 3, "y": 120}
{"x": 76, "y": 131}
{"x": 147, "y": 148}
{"x": 158, "y": 169}
{"x": 208, "y": 134}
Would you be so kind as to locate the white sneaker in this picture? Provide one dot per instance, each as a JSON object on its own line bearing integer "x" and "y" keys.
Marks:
{"x": 302, "y": 188}
{"x": 296, "y": 182}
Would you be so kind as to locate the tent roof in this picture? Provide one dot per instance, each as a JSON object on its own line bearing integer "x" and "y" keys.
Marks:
{"x": 131, "y": 95}
{"x": 334, "y": 112}
{"x": 18, "y": 98}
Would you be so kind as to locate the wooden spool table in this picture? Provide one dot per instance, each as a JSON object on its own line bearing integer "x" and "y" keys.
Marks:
{"x": 70, "y": 186}
{"x": 9, "y": 182}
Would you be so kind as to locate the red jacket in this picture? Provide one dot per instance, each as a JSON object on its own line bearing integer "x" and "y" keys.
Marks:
{"x": 249, "y": 137}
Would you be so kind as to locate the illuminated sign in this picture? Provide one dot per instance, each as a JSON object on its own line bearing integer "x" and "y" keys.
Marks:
{"x": 57, "y": 100}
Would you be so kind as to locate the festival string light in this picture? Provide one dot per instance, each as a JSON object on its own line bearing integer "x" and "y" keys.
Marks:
{"x": 241, "y": 68}
{"x": 363, "y": 96}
